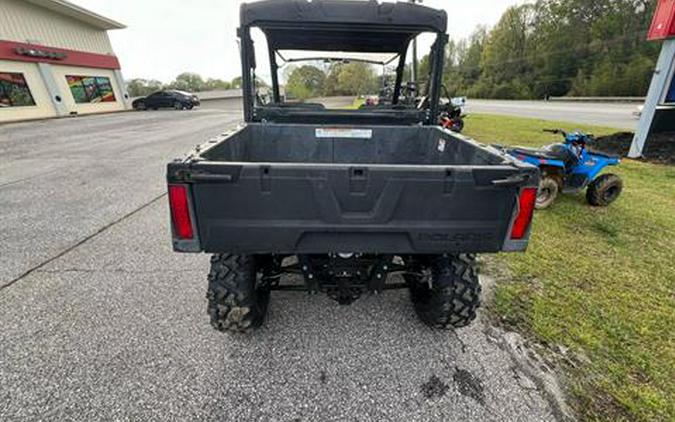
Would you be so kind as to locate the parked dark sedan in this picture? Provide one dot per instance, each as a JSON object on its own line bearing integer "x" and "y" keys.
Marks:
{"x": 179, "y": 100}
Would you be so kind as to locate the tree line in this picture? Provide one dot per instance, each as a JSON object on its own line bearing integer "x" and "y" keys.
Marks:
{"x": 556, "y": 48}
{"x": 302, "y": 82}
{"x": 536, "y": 50}
{"x": 187, "y": 81}
{"x": 335, "y": 79}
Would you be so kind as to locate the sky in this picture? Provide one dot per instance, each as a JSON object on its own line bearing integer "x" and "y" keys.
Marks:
{"x": 164, "y": 38}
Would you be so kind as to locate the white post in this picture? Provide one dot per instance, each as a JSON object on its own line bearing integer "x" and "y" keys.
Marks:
{"x": 55, "y": 94}
{"x": 663, "y": 75}
{"x": 126, "y": 100}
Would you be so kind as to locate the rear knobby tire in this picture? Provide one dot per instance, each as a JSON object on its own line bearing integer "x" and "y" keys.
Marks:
{"x": 236, "y": 302}
{"x": 604, "y": 190}
{"x": 454, "y": 294}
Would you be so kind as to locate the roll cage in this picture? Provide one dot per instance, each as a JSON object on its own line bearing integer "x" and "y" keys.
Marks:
{"x": 340, "y": 26}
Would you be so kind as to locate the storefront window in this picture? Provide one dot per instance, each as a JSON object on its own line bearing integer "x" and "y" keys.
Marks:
{"x": 91, "y": 89}
{"x": 14, "y": 91}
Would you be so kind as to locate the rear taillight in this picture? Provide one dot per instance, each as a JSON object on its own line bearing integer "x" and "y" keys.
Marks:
{"x": 180, "y": 211}
{"x": 526, "y": 201}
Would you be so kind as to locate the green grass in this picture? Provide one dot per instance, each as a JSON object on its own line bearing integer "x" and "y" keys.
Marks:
{"x": 358, "y": 102}
{"x": 598, "y": 281}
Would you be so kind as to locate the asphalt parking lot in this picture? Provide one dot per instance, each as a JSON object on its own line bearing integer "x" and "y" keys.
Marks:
{"x": 102, "y": 321}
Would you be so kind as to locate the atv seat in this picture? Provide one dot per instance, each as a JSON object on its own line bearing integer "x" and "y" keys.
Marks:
{"x": 604, "y": 154}
{"x": 553, "y": 152}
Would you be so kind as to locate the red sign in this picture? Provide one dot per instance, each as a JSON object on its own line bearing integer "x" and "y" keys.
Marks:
{"x": 11, "y": 50}
{"x": 663, "y": 24}
{"x": 45, "y": 54}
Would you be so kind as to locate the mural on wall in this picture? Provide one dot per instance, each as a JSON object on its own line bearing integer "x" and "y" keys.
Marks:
{"x": 91, "y": 89}
{"x": 14, "y": 91}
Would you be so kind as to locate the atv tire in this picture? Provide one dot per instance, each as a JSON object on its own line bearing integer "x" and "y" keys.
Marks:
{"x": 604, "y": 190}
{"x": 236, "y": 302}
{"x": 458, "y": 126}
{"x": 453, "y": 296}
{"x": 547, "y": 192}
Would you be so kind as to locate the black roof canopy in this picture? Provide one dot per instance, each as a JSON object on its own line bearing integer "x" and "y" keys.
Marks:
{"x": 349, "y": 26}
{"x": 341, "y": 25}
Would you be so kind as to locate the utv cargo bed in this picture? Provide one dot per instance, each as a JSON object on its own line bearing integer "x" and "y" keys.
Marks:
{"x": 310, "y": 189}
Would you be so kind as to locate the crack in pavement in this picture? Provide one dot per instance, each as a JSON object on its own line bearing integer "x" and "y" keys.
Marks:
{"x": 461, "y": 342}
{"x": 547, "y": 385}
{"x": 80, "y": 243}
{"x": 117, "y": 271}
{"x": 25, "y": 179}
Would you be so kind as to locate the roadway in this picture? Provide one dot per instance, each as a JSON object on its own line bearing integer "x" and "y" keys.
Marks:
{"x": 102, "y": 321}
{"x": 616, "y": 115}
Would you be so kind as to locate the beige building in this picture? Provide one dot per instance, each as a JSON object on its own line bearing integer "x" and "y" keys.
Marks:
{"x": 56, "y": 60}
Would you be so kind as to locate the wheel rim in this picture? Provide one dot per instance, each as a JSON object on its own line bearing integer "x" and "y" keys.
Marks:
{"x": 543, "y": 195}
{"x": 177, "y": 106}
{"x": 546, "y": 193}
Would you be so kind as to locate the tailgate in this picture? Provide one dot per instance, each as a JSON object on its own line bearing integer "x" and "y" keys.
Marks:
{"x": 319, "y": 208}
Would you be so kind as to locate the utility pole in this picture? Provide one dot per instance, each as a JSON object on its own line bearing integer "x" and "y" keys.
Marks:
{"x": 413, "y": 73}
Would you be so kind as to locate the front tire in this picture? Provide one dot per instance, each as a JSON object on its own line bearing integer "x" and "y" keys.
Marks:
{"x": 547, "y": 192}
{"x": 450, "y": 295}
{"x": 178, "y": 105}
{"x": 604, "y": 190}
{"x": 458, "y": 126}
{"x": 237, "y": 302}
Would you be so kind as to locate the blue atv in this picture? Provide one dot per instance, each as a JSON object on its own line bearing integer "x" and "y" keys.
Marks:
{"x": 570, "y": 167}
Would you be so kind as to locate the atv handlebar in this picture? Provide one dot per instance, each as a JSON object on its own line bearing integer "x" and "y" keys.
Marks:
{"x": 576, "y": 136}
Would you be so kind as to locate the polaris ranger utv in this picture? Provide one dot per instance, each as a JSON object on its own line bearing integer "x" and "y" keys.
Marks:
{"x": 347, "y": 201}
